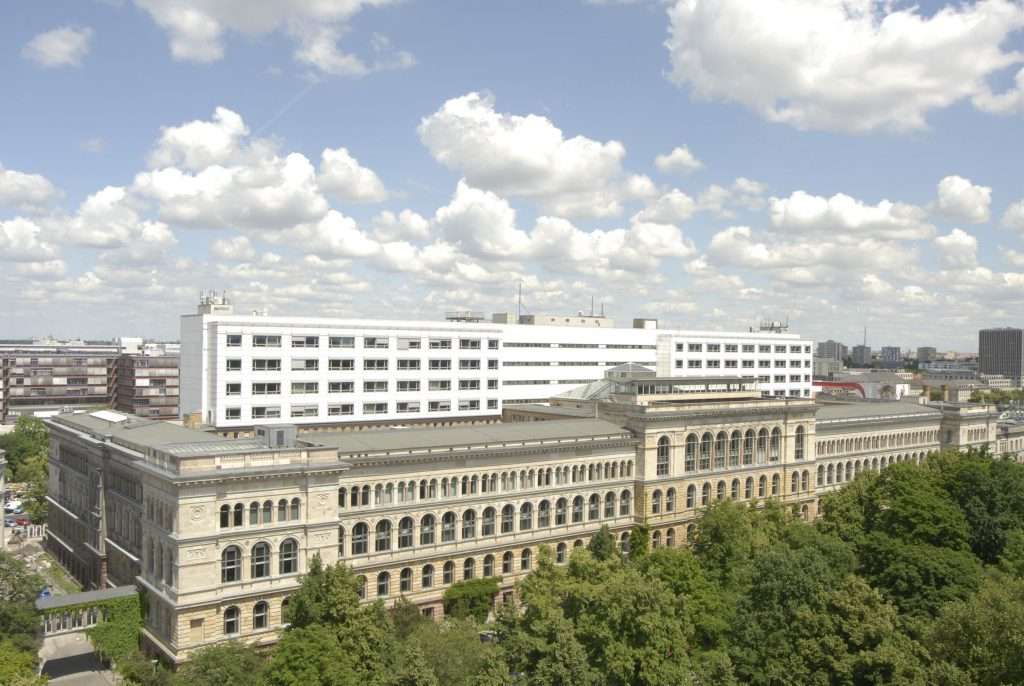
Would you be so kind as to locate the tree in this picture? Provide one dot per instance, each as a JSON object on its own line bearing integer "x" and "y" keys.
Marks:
{"x": 328, "y": 595}
{"x": 19, "y": 587}
{"x": 413, "y": 670}
{"x": 471, "y": 598}
{"x": 680, "y": 571}
{"x": 602, "y": 544}
{"x": 406, "y": 617}
{"x": 15, "y": 662}
{"x": 224, "y": 664}
{"x": 639, "y": 541}
{"x": 453, "y": 652}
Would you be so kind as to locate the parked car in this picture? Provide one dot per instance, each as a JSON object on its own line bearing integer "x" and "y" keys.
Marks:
{"x": 13, "y": 507}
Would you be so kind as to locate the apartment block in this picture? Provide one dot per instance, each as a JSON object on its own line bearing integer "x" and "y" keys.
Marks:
{"x": 1001, "y": 351}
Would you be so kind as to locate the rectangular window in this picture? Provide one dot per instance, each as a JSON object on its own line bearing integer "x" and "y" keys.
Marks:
{"x": 469, "y": 385}
{"x": 305, "y": 341}
{"x": 492, "y": 384}
{"x": 266, "y": 365}
{"x": 794, "y": 348}
{"x": 408, "y": 364}
{"x": 341, "y": 387}
{"x": 409, "y": 344}
{"x": 714, "y": 347}
{"x": 492, "y": 343}
{"x": 266, "y": 341}
{"x": 679, "y": 347}
{"x": 695, "y": 347}
{"x": 469, "y": 405}
{"x": 305, "y": 411}
{"x": 375, "y": 387}
{"x": 340, "y": 410}
{"x": 408, "y": 386}
{"x": 375, "y": 365}
{"x": 780, "y": 348}
{"x": 748, "y": 347}
{"x": 764, "y": 378}
{"x": 469, "y": 344}
{"x": 780, "y": 363}
{"x": 305, "y": 387}
{"x": 273, "y": 412}
{"x": 233, "y": 413}
{"x": 233, "y": 389}
{"x": 469, "y": 364}
{"x": 492, "y": 364}
{"x": 440, "y": 385}
{"x": 730, "y": 364}
{"x": 342, "y": 341}
{"x": 731, "y": 348}
{"x": 764, "y": 348}
{"x": 780, "y": 378}
{"x": 437, "y": 365}
{"x": 234, "y": 365}
{"x": 305, "y": 365}
{"x": 375, "y": 341}
{"x": 403, "y": 408}
{"x": 375, "y": 408}
{"x": 492, "y": 404}
{"x": 440, "y": 344}
{"x": 713, "y": 364}
{"x": 794, "y": 378}
{"x": 693, "y": 364}
{"x": 748, "y": 364}
{"x": 234, "y": 340}
{"x": 341, "y": 365}
{"x": 439, "y": 406}
{"x": 273, "y": 388}
{"x": 764, "y": 364}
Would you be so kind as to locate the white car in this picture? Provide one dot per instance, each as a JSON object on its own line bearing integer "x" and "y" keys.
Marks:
{"x": 13, "y": 507}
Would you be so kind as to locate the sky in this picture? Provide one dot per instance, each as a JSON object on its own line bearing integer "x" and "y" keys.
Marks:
{"x": 839, "y": 164}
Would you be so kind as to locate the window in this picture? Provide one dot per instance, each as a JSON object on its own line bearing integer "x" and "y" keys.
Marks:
{"x": 259, "y": 615}
{"x": 409, "y": 344}
{"x": 730, "y": 364}
{"x": 427, "y": 576}
{"x": 469, "y": 344}
{"x": 233, "y": 413}
{"x": 469, "y": 405}
{"x": 656, "y": 502}
{"x": 375, "y": 408}
{"x": 295, "y": 509}
{"x": 780, "y": 363}
{"x": 748, "y": 364}
{"x": 288, "y": 557}
{"x": 341, "y": 386}
{"x": 694, "y": 364}
{"x": 341, "y": 365}
{"x": 663, "y": 455}
{"x": 468, "y": 568}
{"x": 231, "y": 621}
{"x": 266, "y": 365}
{"x": 469, "y": 385}
{"x": 405, "y": 581}
{"x": 713, "y": 364}
{"x": 260, "y": 561}
{"x": 764, "y": 348}
{"x": 305, "y": 365}
{"x": 731, "y": 348}
{"x": 439, "y": 406}
{"x": 383, "y": 584}
{"x": 764, "y": 364}
{"x": 492, "y": 364}
{"x": 468, "y": 524}
{"x": 408, "y": 386}
{"x": 375, "y": 387}
{"x": 266, "y": 341}
{"x": 407, "y": 365}
{"x": 448, "y": 572}
{"x": 443, "y": 385}
{"x": 577, "y": 509}
{"x": 469, "y": 364}
{"x": 624, "y": 503}
{"x": 714, "y": 347}
{"x": 340, "y": 410}
{"x": 525, "y": 560}
{"x": 492, "y": 404}
{"x": 305, "y": 387}
{"x": 234, "y": 340}
{"x": 427, "y": 530}
{"x": 237, "y": 515}
{"x": 342, "y": 342}
{"x": 375, "y": 342}
{"x": 375, "y": 364}
{"x": 407, "y": 407}
{"x": 489, "y": 565}
{"x": 440, "y": 343}
{"x": 382, "y": 538}
{"x": 560, "y": 507}
{"x": 492, "y": 384}
{"x": 506, "y": 563}
{"x": 609, "y": 505}
{"x": 305, "y": 411}
{"x": 448, "y": 527}
{"x": 525, "y": 517}
{"x": 508, "y": 515}
{"x": 492, "y": 343}
{"x": 799, "y": 443}
{"x": 439, "y": 365}
{"x": 231, "y": 565}
{"x": 695, "y": 347}
{"x": 234, "y": 365}
{"x": 670, "y": 500}
{"x": 780, "y": 348}
{"x": 266, "y": 388}
{"x": 305, "y": 341}
{"x": 360, "y": 536}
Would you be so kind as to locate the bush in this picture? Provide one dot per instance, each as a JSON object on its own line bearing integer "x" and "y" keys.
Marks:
{"x": 473, "y": 598}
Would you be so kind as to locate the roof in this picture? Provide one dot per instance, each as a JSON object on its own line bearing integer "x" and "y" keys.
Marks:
{"x": 84, "y": 598}
{"x": 554, "y": 409}
{"x": 139, "y": 433}
{"x": 595, "y": 390}
{"x": 872, "y": 377}
{"x": 868, "y": 410}
{"x": 402, "y": 440}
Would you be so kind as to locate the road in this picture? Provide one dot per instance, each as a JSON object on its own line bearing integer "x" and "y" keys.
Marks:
{"x": 69, "y": 659}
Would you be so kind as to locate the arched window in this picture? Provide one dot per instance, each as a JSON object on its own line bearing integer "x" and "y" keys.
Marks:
{"x": 288, "y": 557}
{"x": 268, "y": 511}
{"x": 525, "y": 517}
{"x": 691, "y": 532}
{"x": 609, "y": 505}
{"x": 341, "y": 541}
{"x": 663, "y": 449}
{"x": 748, "y": 447}
{"x": 282, "y": 509}
{"x": 594, "y": 507}
{"x": 427, "y": 530}
{"x": 721, "y": 443}
{"x": 776, "y": 484}
{"x": 656, "y": 539}
{"x": 805, "y": 478}
{"x": 468, "y": 568}
{"x": 734, "y": 491}
{"x": 762, "y": 446}
{"x": 560, "y": 505}
{"x": 427, "y": 576}
{"x": 225, "y": 516}
{"x": 734, "y": 448}
{"x": 260, "y": 612}
{"x": 775, "y": 447}
{"x": 748, "y": 488}
{"x": 691, "y": 497}
{"x": 489, "y": 565}
{"x": 561, "y": 553}
{"x": 705, "y": 494}
{"x": 405, "y": 532}
{"x": 448, "y": 527}
{"x": 239, "y": 514}
{"x": 254, "y": 514}
{"x": 382, "y": 540}
{"x": 670, "y": 500}
{"x": 508, "y": 519}
{"x": 577, "y": 543}
{"x": 656, "y": 502}
{"x": 525, "y": 560}
{"x": 448, "y": 573}
{"x": 468, "y": 524}
{"x": 690, "y": 463}
{"x": 670, "y": 538}
{"x": 405, "y": 581}
{"x": 624, "y": 503}
{"x": 360, "y": 538}
{"x": 543, "y": 514}
{"x": 295, "y": 509}
{"x": 361, "y": 588}
{"x": 487, "y": 523}
{"x": 577, "y": 509}
{"x": 231, "y": 565}
{"x": 365, "y": 500}
{"x": 762, "y": 487}
{"x": 624, "y": 542}
{"x": 705, "y": 450}
{"x": 799, "y": 443}
{"x": 831, "y": 474}
{"x": 383, "y": 584}
{"x": 720, "y": 491}
{"x": 795, "y": 485}
{"x": 506, "y": 563}
{"x": 231, "y": 621}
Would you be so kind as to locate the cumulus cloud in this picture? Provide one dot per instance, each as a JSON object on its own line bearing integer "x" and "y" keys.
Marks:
{"x": 235, "y": 249}
{"x": 679, "y": 161}
{"x": 405, "y": 225}
{"x": 25, "y": 192}
{"x": 841, "y": 65}
{"x": 21, "y": 240}
{"x": 342, "y": 176}
{"x": 958, "y": 198}
{"x": 197, "y": 28}
{"x": 723, "y": 202}
{"x": 670, "y": 208}
{"x": 958, "y": 249}
{"x": 481, "y": 223}
{"x": 1013, "y": 217}
{"x": 63, "y": 47}
{"x": 528, "y": 156}
{"x": 802, "y": 212}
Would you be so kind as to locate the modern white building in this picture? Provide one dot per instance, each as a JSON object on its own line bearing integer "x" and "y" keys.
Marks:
{"x": 238, "y": 371}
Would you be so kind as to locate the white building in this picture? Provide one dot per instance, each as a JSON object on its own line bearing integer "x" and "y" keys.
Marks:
{"x": 241, "y": 370}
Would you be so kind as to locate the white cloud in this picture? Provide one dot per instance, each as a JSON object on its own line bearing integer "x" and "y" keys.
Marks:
{"x": 744, "y": 193}
{"x": 841, "y": 65}
{"x": 342, "y": 176}
{"x": 235, "y": 249}
{"x": 958, "y": 249}
{"x": 25, "y": 192}
{"x": 960, "y": 199}
{"x": 21, "y": 240}
{"x": 1010, "y": 101}
{"x": 406, "y": 225}
{"x": 197, "y": 28}
{"x": 481, "y": 224}
{"x": 802, "y": 212}
{"x": 46, "y": 269}
{"x": 1014, "y": 257}
{"x": 1013, "y": 217}
{"x": 679, "y": 161}
{"x": 93, "y": 144}
{"x": 105, "y": 219}
{"x": 63, "y": 47}
{"x": 336, "y": 236}
{"x": 528, "y": 156}
{"x": 671, "y": 208}
{"x": 199, "y": 144}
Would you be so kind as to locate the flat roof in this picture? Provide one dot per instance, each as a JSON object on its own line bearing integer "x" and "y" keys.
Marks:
{"x": 865, "y": 410}
{"x": 85, "y": 598}
{"x": 554, "y": 409}
{"x": 138, "y": 432}
{"x": 403, "y": 440}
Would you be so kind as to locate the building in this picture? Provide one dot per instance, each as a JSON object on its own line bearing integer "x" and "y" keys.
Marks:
{"x": 826, "y": 367}
{"x": 870, "y": 386}
{"x": 926, "y": 354}
{"x": 238, "y": 371}
{"x": 832, "y": 350}
{"x": 891, "y": 354}
{"x": 218, "y": 530}
{"x": 146, "y": 385}
{"x": 861, "y": 355}
{"x": 1001, "y": 351}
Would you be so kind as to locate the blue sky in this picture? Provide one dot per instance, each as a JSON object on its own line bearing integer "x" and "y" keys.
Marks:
{"x": 476, "y": 144}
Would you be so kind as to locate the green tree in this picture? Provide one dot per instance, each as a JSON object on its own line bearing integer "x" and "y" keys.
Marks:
{"x": 639, "y": 542}
{"x": 471, "y": 598}
{"x": 406, "y": 617}
{"x": 602, "y": 544}
{"x": 328, "y": 595}
{"x": 453, "y": 652}
{"x": 226, "y": 664}
{"x": 313, "y": 656}
{"x": 15, "y": 662}
{"x": 1012, "y": 559}
{"x": 413, "y": 670}
{"x": 19, "y": 587}
{"x": 680, "y": 571}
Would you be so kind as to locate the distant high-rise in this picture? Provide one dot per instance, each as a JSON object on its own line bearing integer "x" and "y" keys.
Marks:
{"x": 1001, "y": 351}
{"x": 891, "y": 353}
{"x": 861, "y": 355}
{"x": 832, "y": 350}
{"x": 926, "y": 354}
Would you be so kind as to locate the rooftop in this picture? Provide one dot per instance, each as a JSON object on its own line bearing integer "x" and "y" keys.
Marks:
{"x": 835, "y": 412}
{"x": 141, "y": 434}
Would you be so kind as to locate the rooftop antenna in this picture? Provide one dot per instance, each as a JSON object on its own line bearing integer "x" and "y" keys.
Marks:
{"x": 591, "y": 306}
{"x": 519, "y": 302}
